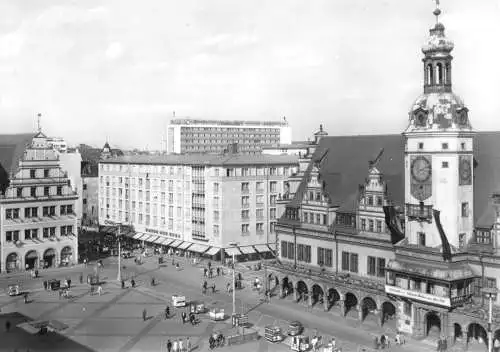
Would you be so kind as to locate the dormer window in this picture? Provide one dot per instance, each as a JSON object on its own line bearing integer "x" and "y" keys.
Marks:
{"x": 444, "y": 146}
{"x": 370, "y": 200}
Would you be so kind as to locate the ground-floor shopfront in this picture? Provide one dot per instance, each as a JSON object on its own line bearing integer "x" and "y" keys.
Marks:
{"x": 48, "y": 254}
{"x": 368, "y": 302}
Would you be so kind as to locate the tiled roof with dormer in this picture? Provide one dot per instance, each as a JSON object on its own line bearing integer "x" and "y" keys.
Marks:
{"x": 12, "y": 147}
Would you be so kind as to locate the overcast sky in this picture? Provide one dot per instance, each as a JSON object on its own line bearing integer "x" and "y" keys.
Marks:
{"x": 119, "y": 68}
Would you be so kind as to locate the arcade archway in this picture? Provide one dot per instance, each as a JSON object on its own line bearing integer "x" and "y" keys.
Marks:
{"x": 66, "y": 255}
{"x": 11, "y": 262}
{"x": 31, "y": 260}
{"x": 317, "y": 295}
{"x": 389, "y": 314}
{"x": 333, "y": 297}
{"x": 476, "y": 334}
{"x": 368, "y": 306}
{"x": 302, "y": 291}
{"x": 457, "y": 331}
{"x": 49, "y": 258}
{"x": 433, "y": 324}
{"x": 351, "y": 301}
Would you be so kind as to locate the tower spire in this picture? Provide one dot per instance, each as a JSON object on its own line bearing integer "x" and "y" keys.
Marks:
{"x": 38, "y": 124}
{"x": 437, "y": 11}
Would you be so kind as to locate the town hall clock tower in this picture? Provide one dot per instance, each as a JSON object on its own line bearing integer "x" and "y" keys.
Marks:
{"x": 438, "y": 154}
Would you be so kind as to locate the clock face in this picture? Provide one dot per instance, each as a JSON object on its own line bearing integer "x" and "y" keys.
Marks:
{"x": 421, "y": 169}
{"x": 420, "y": 118}
{"x": 465, "y": 171}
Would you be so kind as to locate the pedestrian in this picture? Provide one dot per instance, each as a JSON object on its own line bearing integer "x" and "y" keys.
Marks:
{"x": 99, "y": 290}
{"x": 169, "y": 345}
{"x": 205, "y": 271}
{"x": 183, "y": 316}
{"x": 144, "y": 314}
{"x": 25, "y": 297}
{"x": 166, "y": 313}
{"x": 188, "y": 345}
{"x": 209, "y": 265}
{"x": 123, "y": 284}
{"x": 81, "y": 278}
{"x": 7, "y": 326}
{"x": 45, "y": 285}
{"x": 69, "y": 282}
{"x": 181, "y": 345}
{"x": 213, "y": 288}
{"x": 60, "y": 294}
{"x": 175, "y": 347}
{"x": 218, "y": 271}
{"x": 133, "y": 283}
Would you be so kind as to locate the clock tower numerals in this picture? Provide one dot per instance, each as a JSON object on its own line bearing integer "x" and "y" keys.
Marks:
{"x": 421, "y": 177}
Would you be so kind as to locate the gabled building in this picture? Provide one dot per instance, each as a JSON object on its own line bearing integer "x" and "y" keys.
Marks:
{"x": 400, "y": 229}
{"x": 38, "y": 224}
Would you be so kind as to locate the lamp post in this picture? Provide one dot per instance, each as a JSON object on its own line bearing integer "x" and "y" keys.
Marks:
{"x": 234, "y": 244}
{"x": 118, "y": 236}
{"x": 491, "y": 294}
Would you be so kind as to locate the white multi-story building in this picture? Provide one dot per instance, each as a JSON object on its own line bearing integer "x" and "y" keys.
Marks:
{"x": 38, "y": 224}
{"x": 202, "y": 200}
{"x": 213, "y": 136}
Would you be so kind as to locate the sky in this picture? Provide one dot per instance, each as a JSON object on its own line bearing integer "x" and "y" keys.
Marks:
{"x": 118, "y": 69}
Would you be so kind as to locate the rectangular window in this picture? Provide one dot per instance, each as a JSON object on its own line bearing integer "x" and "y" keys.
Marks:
{"x": 32, "y": 173}
{"x": 245, "y": 229}
{"x": 318, "y": 218}
{"x": 27, "y": 234}
{"x": 33, "y": 191}
{"x": 381, "y": 267}
{"x": 245, "y": 214}
{"x": 245, "y": 187}
{"x": 59, "y": 190}
{"x": 407, "y": 308}
{"x": 370, "y": 225}
{"x": 216, "y": 230}
{"x": 379, "y": 225}
{"x": 291, "y": 251}
{"x": 284, "y": 248}
{"x": 45, "y": 232}
{"x": 420, "y": 145}
{"x": 380, "y": 201}
{"x": 259, "y": 227}
{"x": 272, "y": 227}
{"x": 444, "y": 165}
{"x": 46, "y": 173}
{"x": 371, "y": 263}
{"x": 421, "y": 238}
{"x": 328, "y": 258}
{"x": 444, "y": 146}
{"x": 216, "y": 216}
{"x": 320, "y": 256}
{"x": 465, "y": 210}
{"x": 19, "y": 193}
{"x": 461, "y": 240}
{"x": 353, "y": 265}
{"x": 273, "y": 186}
{"x": 345, "y": 261}
{"x": 363, "y": 224}
{"x": 370, "y": 200}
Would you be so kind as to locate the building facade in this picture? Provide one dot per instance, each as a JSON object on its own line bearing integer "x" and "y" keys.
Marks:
{"x": 213, "y": 136}
{"x": 401, "y": 229}
{"x": 38, "y": 224}
{"x": 58, "y": 144}
{"x": 71, "y": 163}
{"x": 201, "y": 200}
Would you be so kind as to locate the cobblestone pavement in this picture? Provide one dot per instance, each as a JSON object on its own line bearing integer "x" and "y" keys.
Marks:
{"x": 113, "y": 321}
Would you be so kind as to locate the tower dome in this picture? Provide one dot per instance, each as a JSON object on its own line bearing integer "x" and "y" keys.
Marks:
{"x": 438, "y": 108}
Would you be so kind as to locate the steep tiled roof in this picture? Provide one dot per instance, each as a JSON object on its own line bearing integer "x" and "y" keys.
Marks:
{"x": 12, "y": 147}
{"x": 346, "y": 167}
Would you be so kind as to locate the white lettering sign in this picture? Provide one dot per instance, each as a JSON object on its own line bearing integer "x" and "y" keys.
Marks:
{"x": 420, "y": 296}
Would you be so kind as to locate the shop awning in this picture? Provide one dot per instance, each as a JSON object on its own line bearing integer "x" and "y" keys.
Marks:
{"x": 146, "y": 238}
{"x": 212, "y": 251}
{"x": 152, "y": 238}
{"x": 128, "y": 233}
{"x": 137, "y": 235}
{"x": 159, "y": 240}
{"x": 247, "y": 250}
{"x": 185, "y": 245}
{"x": 175, "y": 244}
{"x": 232, "y": 251}
{"x": 198, "y": 248}
{"x": 262, "y": 248}
{"x": 166, "y": 241}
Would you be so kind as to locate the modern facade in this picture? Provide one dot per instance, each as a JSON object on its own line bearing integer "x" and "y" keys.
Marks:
{"x": 297, "y": 148}
{"x": 204, "y": 201}
{"x": 403, "y": 229}
{"x": 38, "y": 224}
{"x": 213, "y": 136}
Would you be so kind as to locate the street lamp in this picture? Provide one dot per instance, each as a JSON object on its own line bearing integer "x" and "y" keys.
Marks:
{"x": 234, "y": 244}
{"x": 491, "y": 294}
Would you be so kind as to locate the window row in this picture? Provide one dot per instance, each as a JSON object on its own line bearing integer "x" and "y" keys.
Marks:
{"x": 31, "y": 234}
{"x": 259, "y": 200}
{"x": 350, "y": 262}
{"x": 315, "y": 218}
{"x": 45, "y": 191}
{"x": 372, "y": 200}
{"x": 32, "y": 212}
{"x": 303, "y": 251}
{"x": 376, "y": 266}
{"x": 259, "y": 214}
{"x": 259, "y": 228}
{"x": 325, "y": 257}
{"x": 373, "y": 225}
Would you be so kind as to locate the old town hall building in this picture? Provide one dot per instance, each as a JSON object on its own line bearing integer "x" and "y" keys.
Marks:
{"x": 400, "y": 231}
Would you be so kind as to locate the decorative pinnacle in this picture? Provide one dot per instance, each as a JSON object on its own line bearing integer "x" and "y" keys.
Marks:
{"x": 437, "y": 11}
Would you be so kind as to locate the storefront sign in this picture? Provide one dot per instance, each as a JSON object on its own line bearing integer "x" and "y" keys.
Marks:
{"x": 420, "y": 296}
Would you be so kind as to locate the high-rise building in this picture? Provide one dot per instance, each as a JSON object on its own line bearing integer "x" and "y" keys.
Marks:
{"x": 402, "y": 231}
{"x": 213, "y": 136}
{"x": 38, "y": 224}
{"x": 200, "y": 200}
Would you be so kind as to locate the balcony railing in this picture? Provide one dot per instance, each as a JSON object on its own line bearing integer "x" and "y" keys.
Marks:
{"x": 245, "y": 205}
{"x": 419, "y": 212}
{"x": 458, "y": 301}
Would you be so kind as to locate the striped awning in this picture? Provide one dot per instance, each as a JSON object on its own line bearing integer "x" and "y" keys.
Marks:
{"x": 159, "y": 240}
{"x": 138, "y": 235}
{"x": 146, "y": 237}
{"x": 262, "y": 248}
{"x": 198, "y": 248}
{"x": 184, "y": 245}
{"x": 152, "y": 238}
{"x": 175, "y": 244}
{"x": 232, "y": 251}
{"x": 213, "y": 251}
{"x": 247, "y": 250}
{"x": 166, "y": 241}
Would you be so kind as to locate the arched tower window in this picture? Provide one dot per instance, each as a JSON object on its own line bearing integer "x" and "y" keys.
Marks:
{"x": 448, "y": 73}
{"x": 429, "y": 74}
{"x": 439, "y": 73}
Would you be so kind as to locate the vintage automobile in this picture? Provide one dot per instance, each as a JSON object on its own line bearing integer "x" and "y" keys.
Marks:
{"x": 273, "y": 333}
{"x": 300, "y": 343}
{"x": 178, "y": 301}
{"x": 295, "y": 328}
{"x": 15, "y": 290}
{"x": 216, "y": 314}
{"x": 197, "y": 307}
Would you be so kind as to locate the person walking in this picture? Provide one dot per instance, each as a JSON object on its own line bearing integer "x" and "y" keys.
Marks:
{"x": 69, "y": 282}
{"x": 7, "y": 326}
{"x": 169, "y": 345}
{"x": 181, "y": 345}
{"x": 218, "y": 271}
{"x": 175, "y": 347}
{"x": 99, "y": 290}
{"x": 188, "y": 345}
{"x": 81, "y": 278}
{"x": 144, "y": 314}
{"x": 45, "y": 284}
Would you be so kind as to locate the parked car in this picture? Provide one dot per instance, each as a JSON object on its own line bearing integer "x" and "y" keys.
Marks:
{"x": 295, "y": 328}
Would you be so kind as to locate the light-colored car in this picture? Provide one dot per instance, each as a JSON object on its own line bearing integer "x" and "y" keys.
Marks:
{"x": 295, "y": 328}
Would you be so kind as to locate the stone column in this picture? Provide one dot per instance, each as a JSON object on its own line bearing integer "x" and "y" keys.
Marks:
{"x": 378, "y": 317}
{"x": 342, "y": 307}
{"x": 282, "y": 292}
{"x": 295, "y": 294}
{"x": 325, "y": 302}
{"x": 309, "y": 299}
{"x": 359, "y": 307}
